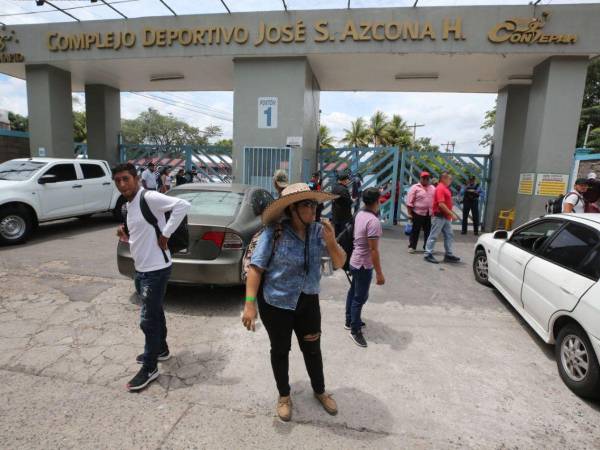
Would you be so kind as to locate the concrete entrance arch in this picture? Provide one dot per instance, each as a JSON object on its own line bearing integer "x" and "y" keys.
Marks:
{"x": 534, "y": 57}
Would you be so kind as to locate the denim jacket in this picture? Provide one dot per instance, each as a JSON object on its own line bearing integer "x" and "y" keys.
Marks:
{"x": 286, "y": 274}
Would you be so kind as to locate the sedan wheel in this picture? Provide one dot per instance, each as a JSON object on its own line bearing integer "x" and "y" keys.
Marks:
{"x": 480, "y": 267}
{"x": 577, "y": 363}
{"x": 574, "y": 357}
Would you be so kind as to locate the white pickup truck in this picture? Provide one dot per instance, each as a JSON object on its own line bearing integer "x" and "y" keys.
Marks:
{"x": 37, "y": 190}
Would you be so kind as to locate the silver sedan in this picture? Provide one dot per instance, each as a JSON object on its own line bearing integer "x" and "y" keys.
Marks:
{"x": 221, "y": 222}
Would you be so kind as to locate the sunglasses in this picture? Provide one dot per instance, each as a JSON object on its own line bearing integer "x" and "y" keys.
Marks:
{"x": 308, "y": 204}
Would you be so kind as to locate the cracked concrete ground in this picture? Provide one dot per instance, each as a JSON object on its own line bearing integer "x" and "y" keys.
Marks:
{"x": 449, "y": 364}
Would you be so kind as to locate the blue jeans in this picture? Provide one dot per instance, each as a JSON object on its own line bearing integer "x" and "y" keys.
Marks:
{"x": 357, "y": 296}
{"x": 151, "y": 288}
{"x": 440, "y": 225}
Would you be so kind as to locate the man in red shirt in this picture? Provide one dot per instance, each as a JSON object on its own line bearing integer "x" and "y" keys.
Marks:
{"x": 442, "y": 221}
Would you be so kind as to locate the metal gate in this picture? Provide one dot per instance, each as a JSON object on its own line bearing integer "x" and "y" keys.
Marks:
{"x": 212, "y": 163}
{"x": 459, "y": 165}
{"x": 377, "y": 166}
{"x": 260, "y": 163}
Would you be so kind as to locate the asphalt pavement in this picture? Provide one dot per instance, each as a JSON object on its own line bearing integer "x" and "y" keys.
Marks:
{"x": 449, "y": 363}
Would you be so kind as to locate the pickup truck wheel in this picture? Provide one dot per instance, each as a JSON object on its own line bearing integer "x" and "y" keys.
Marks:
{"x": 577, "y": 363}
{"x": 117, "y": 212}
{"x": 16, "y": 225}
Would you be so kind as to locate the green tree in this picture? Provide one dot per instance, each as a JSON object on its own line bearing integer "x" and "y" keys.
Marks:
{"x": 79, "y": 127}
{"x": 225, "y": 147}
{"x": 151, "y": 127}
{"x": 378, "y": 128}
{"x": 357, "y": 135}
{"x": 424, "y": 145}
{"x": 591, "y": 95}
{"x": 489, "y": 120}
{"x": 398, "y": 133}
{"x": 325, "y": 138}
{"x": 18, "y": 122}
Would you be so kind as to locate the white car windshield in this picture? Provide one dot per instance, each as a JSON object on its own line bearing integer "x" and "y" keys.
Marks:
{"x": 16, "y": 170}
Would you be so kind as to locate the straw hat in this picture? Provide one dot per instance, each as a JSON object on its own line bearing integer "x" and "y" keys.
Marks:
{"x": 293, "y": 193}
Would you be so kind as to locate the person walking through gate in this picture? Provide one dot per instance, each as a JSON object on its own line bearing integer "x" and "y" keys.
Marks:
{"x": 365, "y": 258}
{"x": 470, "y": 194}
{"x": 152, "y": 261}
{"x": 149, "y": 178}
{"x": 419, "y": 203}
{"x": 574, "y": 201}
{"x": 315, "y": 185}
{"x": 284, "y": 278}
{"x": 341, "y": 209}
{"x": 442, "y": 221}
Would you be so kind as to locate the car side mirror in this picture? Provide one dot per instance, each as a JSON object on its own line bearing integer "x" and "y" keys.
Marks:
{"x": 501, "y": 234}
{"x": 46, "y": 179}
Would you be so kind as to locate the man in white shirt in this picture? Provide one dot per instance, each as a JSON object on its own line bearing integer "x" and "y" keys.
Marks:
{"x": 152, "y": 261}
{"x": 149, "y": 178}
{"x": 574, "y": 201}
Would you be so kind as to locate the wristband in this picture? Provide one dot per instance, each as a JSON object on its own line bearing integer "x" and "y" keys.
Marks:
{"x": 250, "y": 299}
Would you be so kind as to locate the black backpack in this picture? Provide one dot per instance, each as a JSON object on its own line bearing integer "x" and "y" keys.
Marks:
{"x": 554, "y": 206}
{"x": 346, "y": 240}
{"x": 178, "y": 241}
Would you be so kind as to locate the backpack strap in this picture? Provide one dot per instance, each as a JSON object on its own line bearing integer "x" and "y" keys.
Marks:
{"x": 152, "y": 220}
{"x": 276, "y": 236}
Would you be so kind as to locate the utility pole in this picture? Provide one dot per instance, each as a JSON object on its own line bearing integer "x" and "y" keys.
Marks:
{"x": 414, "y": 127}
{"x": 448, "y": 145}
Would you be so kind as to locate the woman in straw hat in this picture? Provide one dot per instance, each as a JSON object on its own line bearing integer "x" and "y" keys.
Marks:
{"x": 284, "y": 278}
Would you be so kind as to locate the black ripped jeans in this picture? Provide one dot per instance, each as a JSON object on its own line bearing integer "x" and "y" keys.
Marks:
{"x": 305, "y": 321}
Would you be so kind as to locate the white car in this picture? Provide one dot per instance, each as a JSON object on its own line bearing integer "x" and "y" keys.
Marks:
{"x": 37, "y": 190}
{"x": 548, "y": 269}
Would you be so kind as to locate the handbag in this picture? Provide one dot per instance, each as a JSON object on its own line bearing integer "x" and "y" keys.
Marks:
{"x": 408, "y": 228}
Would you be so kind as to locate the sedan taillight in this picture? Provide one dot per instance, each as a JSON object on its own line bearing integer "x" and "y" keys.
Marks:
{"x": 228, "y": 241}
{"x": 233, "y": 242}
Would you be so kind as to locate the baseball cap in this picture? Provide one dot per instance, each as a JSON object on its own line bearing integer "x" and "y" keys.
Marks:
{"x": 592, "y": 176}
{"x": 425, "y": 174}
{"x": 280, "y": 179}
{"x": 581, "y": 181}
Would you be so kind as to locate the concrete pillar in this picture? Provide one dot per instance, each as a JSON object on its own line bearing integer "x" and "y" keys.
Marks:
{"x": 290, "y": 80}
{"x": 509, "y": 131}
{"x": 103, "y": 117}
{"x": 555, "y": 100}
{"x": 50, "y": 110}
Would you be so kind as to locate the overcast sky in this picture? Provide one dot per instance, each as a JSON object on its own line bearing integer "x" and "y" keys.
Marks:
{"x": 445, "y": 116}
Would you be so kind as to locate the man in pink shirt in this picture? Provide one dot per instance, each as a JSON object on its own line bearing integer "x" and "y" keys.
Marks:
{"x": 420, "y": 209}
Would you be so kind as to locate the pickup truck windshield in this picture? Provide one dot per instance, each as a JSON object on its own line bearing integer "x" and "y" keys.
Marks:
{"x": 19, "y": 170}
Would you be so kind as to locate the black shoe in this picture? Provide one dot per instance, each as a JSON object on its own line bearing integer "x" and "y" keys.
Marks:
{"x": 161, "y": 357}
{"x": 451, "y": 259}
{"x": 358, "y": 339}
{"x": 476, "y": 233}
{"x": 142, "y": 379}
{"x": 431, "y": 259}
{"x": 463, "y": 232}
{"x": 348, "y": 327}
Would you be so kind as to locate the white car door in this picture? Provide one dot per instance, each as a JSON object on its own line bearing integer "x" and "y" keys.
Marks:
{"x": 517, "y": 252}
{"x": 557, "y": 278}
{"x": 60, "y": 196}
{"x": 97, "y": 186}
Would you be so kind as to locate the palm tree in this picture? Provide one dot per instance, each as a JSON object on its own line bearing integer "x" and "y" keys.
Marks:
{"x": 325, "y": 137}
{"x": 358, "y": 134}
{"x": 398, "y": 133}
{"x": 378, "y": 128}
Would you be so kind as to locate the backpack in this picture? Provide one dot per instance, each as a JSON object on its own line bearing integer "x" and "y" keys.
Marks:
{"x": 178, "y": 241}
{"x": 247, "y": 259}
{"x": 554, "y": 206}
{"x": 346, "y": 240}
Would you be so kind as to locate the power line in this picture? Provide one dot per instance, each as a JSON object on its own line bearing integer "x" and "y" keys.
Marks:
{"x": 158, "y": 99}
{"x": 61, "y": 10}
{"x": 168, "y": 7}
{"x": 225, "y": 114}
{"x": 202, "y": 105}
{"x": 114, "y": 9}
